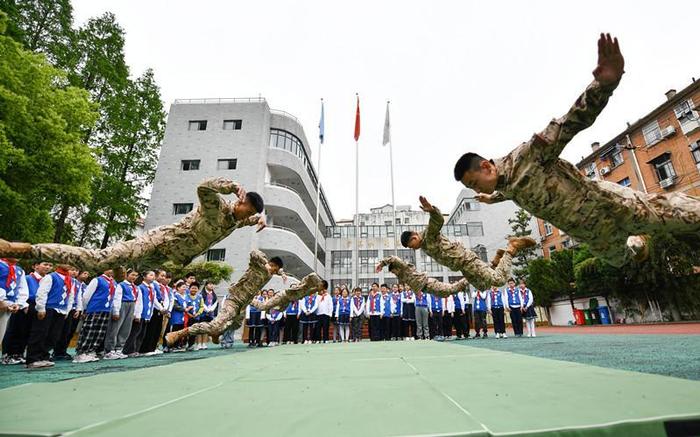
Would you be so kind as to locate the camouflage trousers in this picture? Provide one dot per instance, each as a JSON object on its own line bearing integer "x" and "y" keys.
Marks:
{"x": 407, "y": 274}
{"x": 311, "y": 283}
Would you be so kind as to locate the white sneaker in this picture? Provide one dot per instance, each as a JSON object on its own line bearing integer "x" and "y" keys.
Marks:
{"x": 149, "y": 354}
{"x": 504, "y": 336}
{"x": 204, "y": 346}
{"x": 112, "y": 356}
{"x": 158, "y": 351}
{"x": 122, "y": 355}
{"x": 85, "y": 358}
{"x": 40, "y": 364}
{"x": 534, "y": 335}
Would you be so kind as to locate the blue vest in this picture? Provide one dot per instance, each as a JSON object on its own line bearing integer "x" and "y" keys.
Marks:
{"x": 396, "y": 301}
{"x": 335, "y": 303}
{"x": 435, "y": 303}
{"x": 11, "y": 289}
{"x": 33, "y": 286}
{"x": 79, "y": 291}
{"x": 128, "y": 290}
{"x": 197, "y": 302}
{"x": 526, "y": 296}
{"x": 101, "y": 300}
{"x": 496, "y": 299}
{"x": 422, "y": 301}
{"x": 309, "y": 303}
{"x": 480, "y": 301}
{"x": 386, "y": 299}
{"x": 457, "y": 301}
{"x": 147, "y": 297}
{"x": 274, "y": 315}
{"x": 344, "y": 305}
{"x": 178, "y": 317}
{"x": 58, "y": 296}
{"x": 254, "y": 310}
{"x": 377, "y": 303}
{"x": 513, "y": 297}
{"x": 293, "y": 308}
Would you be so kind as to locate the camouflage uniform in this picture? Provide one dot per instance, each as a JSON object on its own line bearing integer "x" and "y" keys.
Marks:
{"x": 600, "y": 213}
{"x": 453, "y": 255}
{"x": 310, "y": 284}
{"x": 180, "y": 242}
{"x": 420, "y": 280}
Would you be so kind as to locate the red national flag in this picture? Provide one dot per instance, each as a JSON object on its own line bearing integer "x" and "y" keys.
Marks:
{"x": 357, "y": 120}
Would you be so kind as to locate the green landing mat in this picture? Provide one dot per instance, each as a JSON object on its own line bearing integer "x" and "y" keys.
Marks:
{"x": 366, "y": 389}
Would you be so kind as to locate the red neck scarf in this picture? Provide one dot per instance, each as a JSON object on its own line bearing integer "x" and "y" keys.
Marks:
{"x": 110, "y": 281}
{"x": 150, "y": 292}
{"x": 12, "y": 274}
{"x": 371, "y": 305}
{"x": 67, "y": 281}
{"x": 309, "y": 302}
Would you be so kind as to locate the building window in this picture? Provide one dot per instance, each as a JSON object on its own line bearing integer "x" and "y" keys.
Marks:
{"x": 552, "y": 249}
{"x": 475, "y": 229}
{"x": 616, "y": 158}
{"x": 408, "y": 255}
{"x": 366, "y": 283}
{"x": 625, "y": 182}
{"x": 182, "y": 208}
{"x": 427, "y": 264}
{"x": 189, "y": 164}
{"x": 566, "y": 243}
{"x": 233, "y": 124}
{"x": 480, "y": 250}
{"x": 216, "y": 255}
{"x": 368, "y": 259}
{"x": 341, "y": 261}
{"x": 548, "y": 230}
{"x": 591, "y": 170}
{"x": 226, "y": 164}
{"x": 398, "y": 221}
{"x": 387, "y": 222}
{"x": 664, "y": 167}
{"x": 695, "y": 151}
{"x": 197, "y": 125}
{"x": 405, "y": 220}
{"x": 340, "y": 282}
{"x": 652, "y": 133}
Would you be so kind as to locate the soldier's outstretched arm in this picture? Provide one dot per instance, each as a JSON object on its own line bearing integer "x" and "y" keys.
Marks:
{"x": 607, "y": 74}
{"x": 443, "y": 289}
{"x": 208, "y": 192}
{"x": 311, "y": 283}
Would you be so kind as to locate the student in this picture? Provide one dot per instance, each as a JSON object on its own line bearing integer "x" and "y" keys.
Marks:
{"x": 528, "y": 308}
{"x": 395, "y": 312}
{"x": 309, "y": 306}
{"x": 149, "y": 345}
{"x": 264, "y": 329}
{"x": 98, "y": 307}
{"x": 54, "y": 299}
{"x": 408, "y": 313}
{"x": 13, "y": 293}
{"x": 385, "y": 317}
{"x": 324, "y": 311}
{"x": 422, "y": 316}
{"x": 194, "y": 307}
{"x": 515, "y": 307}
{"x": 211, "y": 305}
{"x": 118, "y": 330}
{"x": 357, "y": 311}
{"x": 291, "y": 323}
{"x": 70, "y": 326}
{"x": 167, "y": 302}
{"x": 480, "y": 310}
{"x": 342, "y": 315}
{"x": 461, "y": 301}
{"x": 494, "y": 303}
{"x": 334, "y": 319}
{"x": 448, "y": 303}
{"x": 141, "y": 321}
{"x": 373, "y": 309}
{"x": 177, "y": 314}
{"x": 227, "y": 339}
{"x": 274, "y": 317}
{"x": 436, "y": 311}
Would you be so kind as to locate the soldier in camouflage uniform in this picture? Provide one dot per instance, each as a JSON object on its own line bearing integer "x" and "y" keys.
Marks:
{"x": 240, "y": 294}
{"x": 455, "y": 256}
{"x": 614, "y": 221}
{"x": 407, "y": 274}
{"x": 309, "y": 285}
{"x": 213, "y": 220}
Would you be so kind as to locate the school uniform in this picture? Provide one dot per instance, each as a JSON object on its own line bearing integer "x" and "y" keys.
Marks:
{"x": 155, "y": 325}
{"x": 211, "y": 305}
{"x": 274, "y": 316}
{"x": 386, "y": 317}
{"x": 460, "y": 301}
{"x": 14, "y": 342}
{"x": 334, "y": 319}
{"x": 528, "y": 310}
{"x": 54, "y": 297}
{"x": 308, "y": 319}
{"x": 13, "y": 290}
{"x": 495, "y": 304}
{"x": 515, "y": 306}
{"x": 396, "y": 315}
{"x": 194, "y": 315}
{"x": 342, "y": 316}
{"x": 324, "y": 312}
{"x": 448, "y": 304}
{"x": 480, "y": 310}
{"x": 357, "y": 312}
{"x": 70, "y": 326}
{"x": 291, "y": 322}
{"x": 141, "y": 321}
{"x": 98, "y": 306}
{"x": 422, "y": 316}
{"x": 177, "y": 317}
{"x": 437, "y": 310}
{"x": 408, "y": 313}
{"x": 373, "y": 309}
{"x": 118, "y": 330}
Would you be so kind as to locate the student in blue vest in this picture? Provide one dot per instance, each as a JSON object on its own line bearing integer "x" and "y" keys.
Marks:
{"x": 395, "y": 313}
{"x": 342, "y": 315}
{"x": 177, "y": 314}
{"x": 324, "y": 312}
{"x": 386, "y": 313}
{"x": 357, "y": 314}
{"x": 274, "y": 317}
{"x": 194, "y": 310}
{"x": 528, "y": 308}
{"x": 149, "y": 345}
{"x": 20, "y": 323}
{"x": 515, "y": 307}
{"x": 422, "y": 316}
{"x": 480, "y": 311}
{"x": 54, "y": 299}
{"x": 253, "y": 318}
{"x": 308, "y": 318}
{"x": 408, "y": 312}
{"x": 495, "y": 303}
{"x": 13, "y": 291}
{"x": 167, "y": 293}
{"x": 211, "y": 305}
{"x": 448, "y": 304}
{"x": 334, "y": 319}
{"x": 138, "y": 328}
{"x": 70, "y": 326}
{"x": 265, "y": 329}
{"x": 436, "y": 312}
{"x": 461, "y": 301}
{"x": 118, "y": 330}
{"x": 98, "y": 308}
{"x": 291, "y": 322}
{"x": 373, "y": 309}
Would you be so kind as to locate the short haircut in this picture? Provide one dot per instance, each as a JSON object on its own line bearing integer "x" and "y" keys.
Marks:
{"x": 168, "y": 275}
{"x": 375, "y": 283}
{"x": 385, "y": 286}
{"x": 468, "y": 161}
{"x": 159, "y": 271}
{"x": 405, "y": 237}
{"x": 207, "y": 283}
{"x": 511, "y": 280}
{"x": 179, "y": 283}
{"x": 357, "y": 289}
{"x": 194, "y": 284}
{"x": 256, "y": 200}
{"x": 189, "y": 274}
{"x": 324, "y": 284}
{"x": 130, "y": 271}
{"x": 277, "y": 261}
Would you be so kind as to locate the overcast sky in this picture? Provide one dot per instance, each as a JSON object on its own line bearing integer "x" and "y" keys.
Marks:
{"x": 461, "y": 76}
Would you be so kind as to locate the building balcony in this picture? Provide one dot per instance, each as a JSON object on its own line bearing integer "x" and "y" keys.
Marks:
{"x": 285, "y": 243}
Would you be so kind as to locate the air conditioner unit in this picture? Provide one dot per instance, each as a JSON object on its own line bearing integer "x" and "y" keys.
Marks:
{"x": 666, "y": 183}
{"x": 668, "y": 131}
{"x": 605, "y": 170}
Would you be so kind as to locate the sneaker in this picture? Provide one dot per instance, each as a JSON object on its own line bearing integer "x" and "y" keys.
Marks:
{"x": 157, "y": 352}
{"x": 485, "y": 336}
{"x": 122, "y": 355}
{"x": 134, "y": 355}
{"x": 149, "y": 354}
{"x": 8, "y": 360}
{"x": 504, "y": 336}
{"x": 205, "y": 347}
{"x": 62, "y": 357}
{"x": 112, "y": 356}
{"x": 40, "y": 365}
{"x": 85, "y": 358}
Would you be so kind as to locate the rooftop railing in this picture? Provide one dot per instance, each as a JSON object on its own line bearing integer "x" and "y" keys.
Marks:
{"x": 220, "y": 100}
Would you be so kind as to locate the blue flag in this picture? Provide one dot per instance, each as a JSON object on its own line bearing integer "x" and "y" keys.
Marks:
{"x": 321, "y": 125}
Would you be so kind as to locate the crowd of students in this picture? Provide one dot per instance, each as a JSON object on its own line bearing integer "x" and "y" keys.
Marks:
{"x": 396, "y": 313}
{"x": 40, "y": 312}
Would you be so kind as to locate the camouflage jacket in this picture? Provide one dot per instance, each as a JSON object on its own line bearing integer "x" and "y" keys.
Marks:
{"x": 450, "y": 254}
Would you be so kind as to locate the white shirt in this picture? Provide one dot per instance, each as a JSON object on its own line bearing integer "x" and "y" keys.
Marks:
{"x": 42, "y": 294}
{"x": 325, "y": 304}
{"x": 357, "y": 311}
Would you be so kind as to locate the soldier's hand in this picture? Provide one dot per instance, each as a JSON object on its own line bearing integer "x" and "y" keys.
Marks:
{"x": 484, "y": 198}
{"x": 240, "y": 193}
{"x": 425, "y": 205}
{"x": 262, "y": 224}
{"x": 76, "y": 314}
{"x": 14, "y": 308}
{"x": 611, "y": 64}
{"x": 115, "y": 317}
{"x": 378, "y": 268}
{"x": 41, "y": 315}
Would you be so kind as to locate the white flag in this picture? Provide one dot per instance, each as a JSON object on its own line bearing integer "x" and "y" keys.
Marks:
{"x": 387, "y": 127}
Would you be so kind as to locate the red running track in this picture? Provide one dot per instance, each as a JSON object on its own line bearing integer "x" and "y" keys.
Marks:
{"x": 657, "y": 328}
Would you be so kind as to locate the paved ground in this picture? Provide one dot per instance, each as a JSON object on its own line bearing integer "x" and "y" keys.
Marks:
{"x": 656, "y": 328}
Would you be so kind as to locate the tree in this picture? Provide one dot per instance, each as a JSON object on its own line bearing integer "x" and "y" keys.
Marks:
{"x": 520, "y": 226}
{"x": 204, "y": 270}
{"x": 43, "y": 121}
{"x": 552, "y": 278}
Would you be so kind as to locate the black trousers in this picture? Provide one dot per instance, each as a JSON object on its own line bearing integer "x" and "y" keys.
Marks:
{"x": 386, "y": 328}
{"x": 274, "y": 330}
{"x": 458, "y": 322}
{"x": 435, "y": 322}
{"x": 43, "y": 335}
{"x": 138, "y": 332}
{"x": 67, "y": 333}
{"x": 516, "y": 318}
{"x": 499, "y": 320}
{"x": 480, "y": 322}
{"x": 17, "y": 332}
{"x": 467, "y": 319}
{"x": 447, "y": 324}
{"x": 323, "y": 328}
{"x": 291, "y": 328}
{"x": 409, "y": 328}
{"x": 307, "y": 331}
{"x": 395, "y": 326}
{"x": 375, "y": 328}
{"x": 152, "y": 335}
{"x": 356, "y": 328}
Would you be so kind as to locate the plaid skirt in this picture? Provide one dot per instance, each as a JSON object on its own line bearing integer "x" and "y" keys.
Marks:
{"x": 93, "y": 332}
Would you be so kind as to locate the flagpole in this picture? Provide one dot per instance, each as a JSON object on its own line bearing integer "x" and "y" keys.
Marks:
{"x": 391, "y": 167}
{"x": 318, "y": 188}
{"x": 357, "y": 195}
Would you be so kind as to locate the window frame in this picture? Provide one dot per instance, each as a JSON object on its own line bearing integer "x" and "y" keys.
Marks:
{"x": 229, "y": 161}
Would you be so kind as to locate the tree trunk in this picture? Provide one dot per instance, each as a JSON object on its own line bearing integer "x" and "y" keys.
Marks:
{"x": 105, "y": 238}
{"x": 61, "y": 223}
